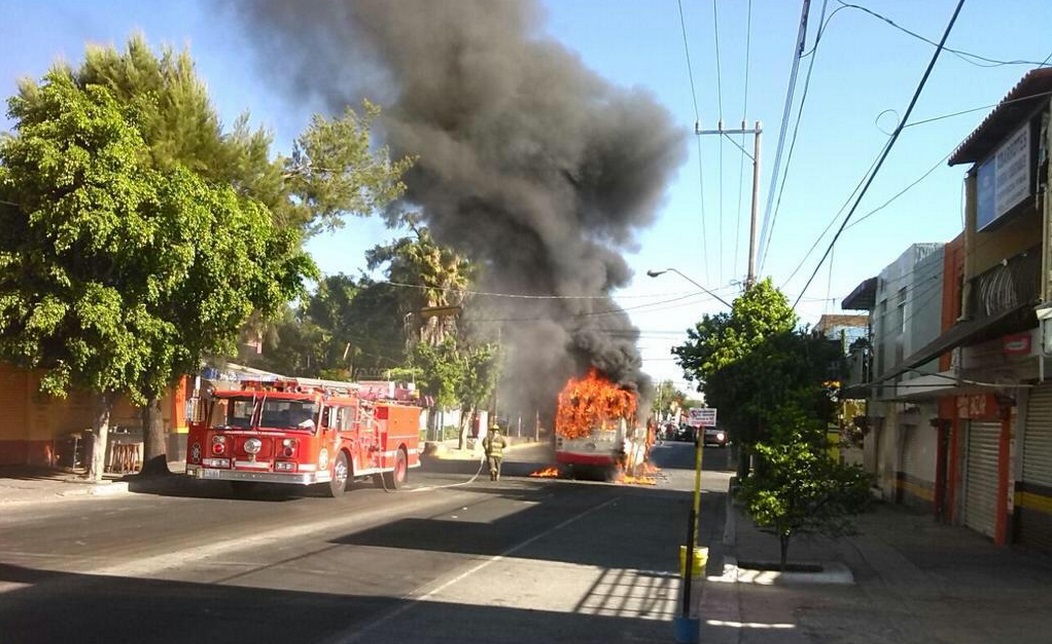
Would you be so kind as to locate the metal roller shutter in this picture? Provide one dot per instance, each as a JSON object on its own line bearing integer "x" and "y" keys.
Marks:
{"x": 1037, "y": 438}
{"x": 980, "y": 486}
{"x": 1035, "y": 523}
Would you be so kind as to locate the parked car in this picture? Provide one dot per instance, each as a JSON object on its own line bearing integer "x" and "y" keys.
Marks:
{"x": 715, "y": 436}
{"x": 687, "y": 433}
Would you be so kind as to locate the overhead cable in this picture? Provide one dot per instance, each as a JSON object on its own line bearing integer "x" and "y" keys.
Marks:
{"x": 719, "y": 95}
{"x": 963, "y": 55}
{"x": 889, "y": 146}
{"x": 697, "y": 119}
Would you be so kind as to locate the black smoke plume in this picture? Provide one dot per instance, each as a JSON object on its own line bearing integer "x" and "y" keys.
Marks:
{"x": 528, "y": 162}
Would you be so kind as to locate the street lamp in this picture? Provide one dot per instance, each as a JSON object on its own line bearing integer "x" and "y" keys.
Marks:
{"x": 655, "y": 273}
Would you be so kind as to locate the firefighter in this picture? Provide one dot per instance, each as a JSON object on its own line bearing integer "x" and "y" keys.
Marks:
{"x": 494, "y": 445}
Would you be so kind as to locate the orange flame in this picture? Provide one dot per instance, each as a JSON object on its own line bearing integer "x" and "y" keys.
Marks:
{"x": 638, "y": 480}
{"x": 591, "y": 402}
{"x": 548, "y": 472}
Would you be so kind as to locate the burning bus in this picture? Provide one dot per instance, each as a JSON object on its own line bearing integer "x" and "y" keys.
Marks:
{"x": 304, "y": 431}
{"x": 596, "y": 428}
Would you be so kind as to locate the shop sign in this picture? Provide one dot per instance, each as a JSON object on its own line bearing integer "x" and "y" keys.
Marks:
{"x": 1016, "y": 345}
{"x": 1003, "y": 179}
{"x": 978, "y": 406}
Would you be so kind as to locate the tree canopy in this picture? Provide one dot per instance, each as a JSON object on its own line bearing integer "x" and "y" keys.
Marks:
{"x": 118, "y": 275}
{"x": 736, "y": 356}
{"x": 138, "y": 236}
{"x": 772, "y": 384}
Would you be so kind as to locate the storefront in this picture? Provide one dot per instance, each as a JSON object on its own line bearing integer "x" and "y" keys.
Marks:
{"x": 1033, "y": 492}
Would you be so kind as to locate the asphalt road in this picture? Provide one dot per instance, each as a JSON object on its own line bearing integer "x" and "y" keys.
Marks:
{"x": 443, "y": 560}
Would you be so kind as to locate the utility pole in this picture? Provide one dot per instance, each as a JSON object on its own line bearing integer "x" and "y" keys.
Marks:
{"x": 750, "y": 277}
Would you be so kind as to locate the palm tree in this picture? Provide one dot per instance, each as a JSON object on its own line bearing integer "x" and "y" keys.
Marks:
{"x": 436, "y": 276}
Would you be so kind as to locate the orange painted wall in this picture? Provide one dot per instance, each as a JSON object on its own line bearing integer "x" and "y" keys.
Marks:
{"x": 33, "y": 425}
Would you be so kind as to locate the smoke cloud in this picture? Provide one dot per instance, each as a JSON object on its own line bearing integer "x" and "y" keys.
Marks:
{"x": 529, "y": 162}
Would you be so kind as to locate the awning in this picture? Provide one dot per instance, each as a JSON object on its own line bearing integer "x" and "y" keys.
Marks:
{"x": 933, "y": 385}
{"x": 863, "y": 298}
{"x": 967, "y": 332}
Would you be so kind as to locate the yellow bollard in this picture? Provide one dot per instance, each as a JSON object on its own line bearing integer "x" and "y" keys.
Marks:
{"x": 701, "y": 558}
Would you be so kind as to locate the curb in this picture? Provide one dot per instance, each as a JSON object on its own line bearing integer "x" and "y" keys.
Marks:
{"x": 730, "y": 524}
{"x": 833, "y": 572}
{"x": 108, "y": 489}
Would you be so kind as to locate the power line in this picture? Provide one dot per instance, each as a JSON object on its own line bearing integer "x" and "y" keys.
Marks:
{"x": 818, "y": 240}
{"x": 978, "y": 109}
{"x": 832, "y": 221}
{"x": 719, "y": 95}
{"x": 521, "y": 296}
{"x": 963, "y": 55}
{"x": 891, "y": 143}
{"x": 798, "y": 51}
{"x": 938, "y": 164}
{"x": 697, "y": 119}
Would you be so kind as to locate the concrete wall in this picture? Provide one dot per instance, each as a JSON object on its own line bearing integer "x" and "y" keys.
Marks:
{"x": 34, "y": 428}
{"x": 901, "y": 297}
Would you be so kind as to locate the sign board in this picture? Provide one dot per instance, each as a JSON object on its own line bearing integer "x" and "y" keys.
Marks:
{"x": 1017, "y": 344}
{"x": 701, "y": 416}
{"x": 1003, "y": 179}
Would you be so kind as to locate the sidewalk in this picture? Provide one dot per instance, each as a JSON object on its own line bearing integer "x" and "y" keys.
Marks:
{"x": 909, "y": 579}
{"x": 21, "y": 484}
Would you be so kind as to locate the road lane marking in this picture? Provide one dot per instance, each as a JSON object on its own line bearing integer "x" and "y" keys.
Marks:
{"x": 353, "y": 634}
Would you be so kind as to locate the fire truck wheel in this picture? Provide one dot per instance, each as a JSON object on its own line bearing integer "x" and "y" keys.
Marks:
{"x": 397, "y": 478}
{"x": 340, "y": 471}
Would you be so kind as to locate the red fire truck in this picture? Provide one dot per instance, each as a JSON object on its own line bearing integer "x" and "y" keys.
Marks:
{"x": 305, "y": 431}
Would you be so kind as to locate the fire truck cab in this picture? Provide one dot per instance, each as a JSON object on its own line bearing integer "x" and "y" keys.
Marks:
{"x": 303, "y": 431}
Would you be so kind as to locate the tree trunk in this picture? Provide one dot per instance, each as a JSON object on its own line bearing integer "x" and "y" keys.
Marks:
{"x": 154, "y": 448}
{"x": 466, "y": 416}
{"x": 100, "y": 435}
{"x": 744, "y": 454}
{"x": 783, "y": 541}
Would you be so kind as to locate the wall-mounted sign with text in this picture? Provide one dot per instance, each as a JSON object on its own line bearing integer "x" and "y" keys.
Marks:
{"x": 1003, "y": 179}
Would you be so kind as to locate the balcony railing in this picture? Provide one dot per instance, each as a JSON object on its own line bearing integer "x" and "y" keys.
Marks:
{"x": 1009, "y": 285}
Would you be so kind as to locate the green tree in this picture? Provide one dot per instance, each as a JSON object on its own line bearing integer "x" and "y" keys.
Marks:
{"x": 729, "y": 354}
{"x": 455, "y": 376}
{"x": 346, "y": 329}
{"x": 480, "y": 367}
{"x": 138, "y": 112}
{"x": 294, "y": 345}
{"x": 432, "y": 277}
{"x": 116, "y": 275}
{"x": 334, "y": 169}
{"x": 798, "y": 488}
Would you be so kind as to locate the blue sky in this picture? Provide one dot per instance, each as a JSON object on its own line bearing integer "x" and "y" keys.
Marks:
{"x": 865, "y": 72}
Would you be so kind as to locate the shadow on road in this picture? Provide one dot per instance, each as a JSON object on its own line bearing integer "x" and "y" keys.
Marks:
{"x": 621, "y": 534}
{"x": 41, "y": 607}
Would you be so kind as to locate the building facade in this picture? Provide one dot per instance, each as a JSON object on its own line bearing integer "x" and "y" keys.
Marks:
{"x": 45, "y": 431}
{"x": 963, "y": 423}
